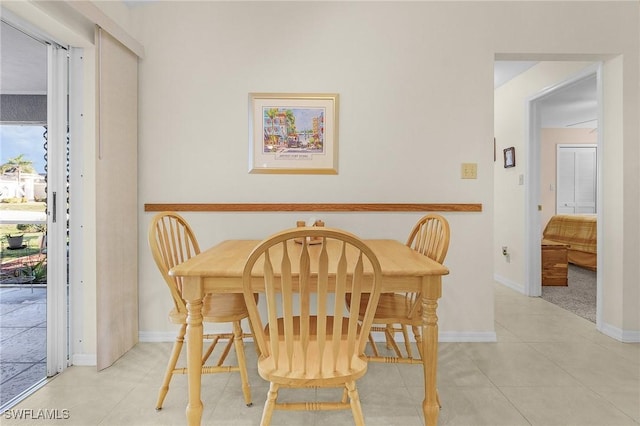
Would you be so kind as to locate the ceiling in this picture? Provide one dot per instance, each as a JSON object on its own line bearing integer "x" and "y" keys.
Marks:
{"x": 24, "y": 71}
{"x": 574, "y": 105}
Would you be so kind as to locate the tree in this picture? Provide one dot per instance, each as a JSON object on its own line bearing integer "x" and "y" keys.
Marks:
{"x": 291, "y": 121}
{"x": 272, "y": 113}
{"x": 18, "y": 165}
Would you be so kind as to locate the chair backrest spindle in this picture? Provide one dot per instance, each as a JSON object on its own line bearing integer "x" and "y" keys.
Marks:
{"x": 430, "y": 237}
{"x": 172, "y": 241}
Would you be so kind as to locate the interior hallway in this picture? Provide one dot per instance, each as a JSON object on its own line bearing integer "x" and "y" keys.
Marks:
{"x": 549, "y": 367}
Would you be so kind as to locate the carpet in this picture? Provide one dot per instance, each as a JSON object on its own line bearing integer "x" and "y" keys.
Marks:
{"x": 579, "y": 296}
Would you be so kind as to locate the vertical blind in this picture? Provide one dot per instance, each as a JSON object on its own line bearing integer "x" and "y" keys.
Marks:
{"x": 116, "y": 199}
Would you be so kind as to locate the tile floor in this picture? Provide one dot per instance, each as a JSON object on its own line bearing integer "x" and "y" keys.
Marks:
{"x": 549, "y": 367}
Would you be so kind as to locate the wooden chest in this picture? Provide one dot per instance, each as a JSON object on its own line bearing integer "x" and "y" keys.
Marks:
{"x": 554, "y": 263}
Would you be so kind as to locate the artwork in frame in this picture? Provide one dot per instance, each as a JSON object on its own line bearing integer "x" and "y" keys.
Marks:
{"x": 293, "y": 133}
{"x": 509, "y": 157}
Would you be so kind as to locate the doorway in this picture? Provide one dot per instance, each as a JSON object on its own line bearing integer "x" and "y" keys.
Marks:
{"x": 34, "y": 125}
{"x": 539, "y": 207}
{"x": 524, "y": 107}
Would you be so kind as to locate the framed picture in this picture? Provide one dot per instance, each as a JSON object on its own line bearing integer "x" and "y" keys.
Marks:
{"x": 509, "y": 157}
{"x": 293, "y": 133}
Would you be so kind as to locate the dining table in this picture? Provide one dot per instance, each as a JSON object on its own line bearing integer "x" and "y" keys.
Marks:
{"x": 219, "y": 270}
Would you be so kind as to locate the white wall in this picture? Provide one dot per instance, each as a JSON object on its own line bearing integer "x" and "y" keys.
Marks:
{"x": 416, "y": 100}
{"x": 395, "y": 145}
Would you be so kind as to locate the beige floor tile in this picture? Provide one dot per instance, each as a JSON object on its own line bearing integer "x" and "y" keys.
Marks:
{"x": 476, "y": 406}
{"x": 517, "y": 364}
{"x": 630, "y": 351}
{"x": 591, "y": 364}
{"x": 545, "y": 328}
{"x": 552, "y": 406}
{"x": 548, "y": 368}
{"x": 504, "y": 335}
{"x": 86, "y": 404}
{"x": 626, "y": 398}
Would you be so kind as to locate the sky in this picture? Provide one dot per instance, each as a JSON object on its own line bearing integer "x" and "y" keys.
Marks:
{"x": 23, "y": 139}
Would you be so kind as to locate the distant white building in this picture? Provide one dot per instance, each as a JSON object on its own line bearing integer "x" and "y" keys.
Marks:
{"x": 32, "y": 186}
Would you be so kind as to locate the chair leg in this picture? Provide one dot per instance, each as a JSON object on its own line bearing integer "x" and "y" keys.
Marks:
{"x": 242, "y": 362}
{"x": 212, "y": 346}
{"x": 418, "y": 336}
{"x": 175, "y": 353}
{"x": 356, "y": 408}
{"x": 388, "y": 335}
{"x": 407, "y": 343}
{"x": 270, "y": 405}
{"x": 227, "y": 349}
{"x": 373, "y": 345}
{"x": 391, "y": 342}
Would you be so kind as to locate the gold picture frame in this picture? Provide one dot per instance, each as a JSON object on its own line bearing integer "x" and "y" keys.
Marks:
{"x": 293, "y": 133}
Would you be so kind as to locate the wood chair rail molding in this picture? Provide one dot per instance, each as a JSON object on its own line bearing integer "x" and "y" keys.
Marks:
{"x": 312, "y": 207}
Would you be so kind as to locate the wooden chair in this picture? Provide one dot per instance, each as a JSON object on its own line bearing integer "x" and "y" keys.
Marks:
{"x": 397, "y": 311}
{"x": 172, "y": 241}
{"x": 311, "y": 341}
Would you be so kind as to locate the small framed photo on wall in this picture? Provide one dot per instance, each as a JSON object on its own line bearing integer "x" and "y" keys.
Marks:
{"x": 509, "y": 157}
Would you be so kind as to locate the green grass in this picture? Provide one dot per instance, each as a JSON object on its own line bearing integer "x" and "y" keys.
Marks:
{"x": 32, "y": 206}
{"x": 30, "y": 239}
{"x": 32, "y": 242}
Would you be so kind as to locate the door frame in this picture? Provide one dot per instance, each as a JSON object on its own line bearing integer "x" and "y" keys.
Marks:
{"x": 57, "y": 260}
{"x": 533, "y": 282}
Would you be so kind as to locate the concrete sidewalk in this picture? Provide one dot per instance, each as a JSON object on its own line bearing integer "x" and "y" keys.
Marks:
{"x": 23, "y": 339}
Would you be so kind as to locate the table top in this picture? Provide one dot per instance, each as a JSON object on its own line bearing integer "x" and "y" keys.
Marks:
{"x": 227, "y": 260}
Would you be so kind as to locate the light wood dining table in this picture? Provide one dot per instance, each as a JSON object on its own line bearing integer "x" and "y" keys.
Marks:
{"x": 219, "y": 270}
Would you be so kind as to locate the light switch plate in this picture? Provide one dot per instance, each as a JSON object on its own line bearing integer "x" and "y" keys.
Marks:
{"x": 469, "y": 171}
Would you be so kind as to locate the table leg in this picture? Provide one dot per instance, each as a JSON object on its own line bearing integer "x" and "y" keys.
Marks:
{"x": 431, "y": 292}
{"x": 194, "y": 352}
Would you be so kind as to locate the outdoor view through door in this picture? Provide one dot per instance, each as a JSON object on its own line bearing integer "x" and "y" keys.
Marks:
{"x": 25, "y": 171}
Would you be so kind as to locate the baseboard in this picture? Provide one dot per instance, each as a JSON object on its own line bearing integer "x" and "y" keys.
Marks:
{"x": 85, "y": 360}
{"x": 508, "y": 283}
{"x": 624, "y": 336}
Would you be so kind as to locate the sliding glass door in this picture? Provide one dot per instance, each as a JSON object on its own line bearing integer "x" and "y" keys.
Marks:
{"x": 33, "y": 205}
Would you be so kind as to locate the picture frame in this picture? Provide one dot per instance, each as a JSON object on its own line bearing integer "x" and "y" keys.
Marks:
{"x": 509, "y": 157}
{"x": 293, "y": 133}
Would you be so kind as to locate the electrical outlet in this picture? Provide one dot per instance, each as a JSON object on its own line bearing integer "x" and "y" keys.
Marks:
{"x": 469, "y": 171}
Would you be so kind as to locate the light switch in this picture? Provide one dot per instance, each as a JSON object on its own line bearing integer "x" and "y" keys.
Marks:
{"x": 469, "y": 171}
